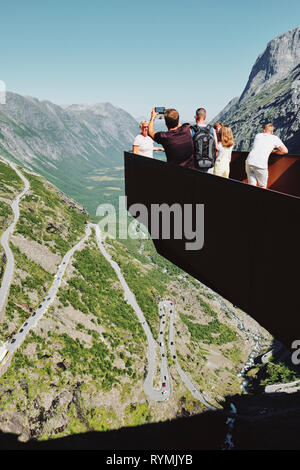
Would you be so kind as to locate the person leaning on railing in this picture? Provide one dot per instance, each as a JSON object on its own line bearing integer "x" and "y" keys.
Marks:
{"x": 257, "y": 160}
{"x": 143, "y": 144}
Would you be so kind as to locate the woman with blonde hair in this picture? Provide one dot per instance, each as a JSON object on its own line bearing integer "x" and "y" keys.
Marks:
{"x": 222, "y": 165}
{"x": 143, "y": 144}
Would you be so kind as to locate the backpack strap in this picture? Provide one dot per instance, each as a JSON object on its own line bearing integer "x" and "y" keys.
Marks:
{"x": 207, "y": 128}
{"x": 195, "y": 129}
{"x": 199, "y": 130}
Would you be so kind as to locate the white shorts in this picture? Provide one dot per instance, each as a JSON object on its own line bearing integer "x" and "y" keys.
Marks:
{"x": 257, "y": 176}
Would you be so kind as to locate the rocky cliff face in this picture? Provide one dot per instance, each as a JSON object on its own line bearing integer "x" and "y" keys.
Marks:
{"x": 277, "y": 104}
{"x": 271, "y": 95}
{"x": 233, "y": 104}
{"x": 280, "y": 57}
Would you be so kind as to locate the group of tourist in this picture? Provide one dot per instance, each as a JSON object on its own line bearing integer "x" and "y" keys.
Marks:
{"x": 206, "y": 148}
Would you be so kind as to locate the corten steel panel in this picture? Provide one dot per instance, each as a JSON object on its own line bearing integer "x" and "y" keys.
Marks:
{"x": 284, "y": 172}
{"x": 251, "y": 253}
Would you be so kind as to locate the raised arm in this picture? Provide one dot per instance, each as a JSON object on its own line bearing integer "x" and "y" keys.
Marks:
{"x": 151, "y": 132}
{"x": 216, "y": 139}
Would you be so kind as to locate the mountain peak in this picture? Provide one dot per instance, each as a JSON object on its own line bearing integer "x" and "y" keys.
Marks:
{"x": 280, "y": 57}
{"x": 269, "y": 95}
{"x": 96, "y": 108}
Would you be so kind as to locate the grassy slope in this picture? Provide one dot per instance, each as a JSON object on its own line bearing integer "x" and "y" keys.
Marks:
{"x": 41, "y": 206}
{"x": 10, "y": 186}
{"x": 91, "y": 365}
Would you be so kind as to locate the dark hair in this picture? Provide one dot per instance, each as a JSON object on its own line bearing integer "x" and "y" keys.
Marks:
{"x": 171, "y": 118}
{"x": 217, "y": 125}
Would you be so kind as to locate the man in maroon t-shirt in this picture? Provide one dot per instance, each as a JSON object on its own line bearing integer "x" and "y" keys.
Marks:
{"x": 177, "y": 141}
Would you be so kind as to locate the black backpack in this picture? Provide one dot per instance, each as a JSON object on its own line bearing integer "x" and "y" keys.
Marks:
{"x": 205, "y": 152}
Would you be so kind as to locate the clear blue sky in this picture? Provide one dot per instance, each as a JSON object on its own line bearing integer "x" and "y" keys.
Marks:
{"x": 137, "y": 54}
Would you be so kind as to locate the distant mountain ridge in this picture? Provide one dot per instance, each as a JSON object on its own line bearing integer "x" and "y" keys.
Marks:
{"x": 269, "y": 95}
{"x": 66, "y": 144}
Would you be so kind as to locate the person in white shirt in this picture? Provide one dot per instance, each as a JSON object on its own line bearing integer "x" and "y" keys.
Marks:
{"x": 257, "y": 160}
{"x": 143, "y": 144}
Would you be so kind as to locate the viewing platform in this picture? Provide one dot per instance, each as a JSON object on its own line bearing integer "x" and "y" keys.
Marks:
{"x": 251, "y": 251}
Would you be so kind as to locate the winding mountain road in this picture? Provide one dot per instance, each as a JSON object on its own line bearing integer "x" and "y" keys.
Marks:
{"x": 161, "y": 394}
{"x": 32, "y": 321}
{"x": 183, "y": 375}
{"x": 10, "y": 264}
{"x": 165, "y": 392}
{"x": 156, "y": 395}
